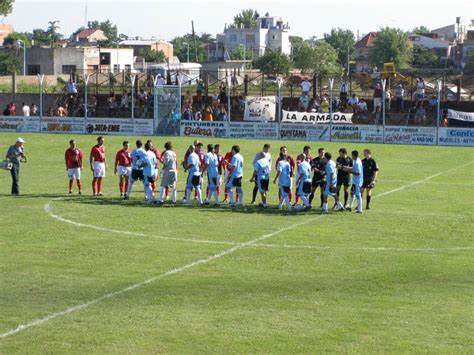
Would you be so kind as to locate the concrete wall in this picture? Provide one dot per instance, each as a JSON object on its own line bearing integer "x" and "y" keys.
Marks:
{"x": 44, "y": 57}
{"x": 48, "y": 100}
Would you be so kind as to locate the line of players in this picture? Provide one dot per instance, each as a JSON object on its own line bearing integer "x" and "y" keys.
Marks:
{"x": 142, "y": 164}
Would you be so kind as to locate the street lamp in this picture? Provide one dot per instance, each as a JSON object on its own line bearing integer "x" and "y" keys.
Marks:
{"x": 23, "y": 44}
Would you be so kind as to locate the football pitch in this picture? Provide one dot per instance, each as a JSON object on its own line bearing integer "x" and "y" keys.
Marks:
{"x": 100, "y": 275}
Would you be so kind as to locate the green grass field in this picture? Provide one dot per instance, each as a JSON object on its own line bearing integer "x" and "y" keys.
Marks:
{"x": 86, "y": 275}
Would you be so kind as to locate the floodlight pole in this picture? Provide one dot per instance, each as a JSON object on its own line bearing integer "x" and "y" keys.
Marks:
{"x": 331, "y": 85}
{"x": 384, "y": 84}
{"x": 132, "y": 81}
{"x": 438, "y": 108}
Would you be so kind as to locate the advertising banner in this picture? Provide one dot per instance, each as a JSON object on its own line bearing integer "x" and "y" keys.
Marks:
{"x": 253, "y": 130}
{"x": 410, "y": 135}
{"x": 203, "y": 129}
{"x": 62, "y": 125}
{"x": 357, "y": 133}
{"x": 260, "y": 109}
{"x": 119, "y": 126}
{"x": 304, "y": 132}
{"x": 19, "y": 124}
{"x": 315, "y": 117}
{"x": 461, "y": 115}
{"x": 456, "y": 136}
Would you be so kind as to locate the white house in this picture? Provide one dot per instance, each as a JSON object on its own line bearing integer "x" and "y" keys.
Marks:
{"x": 270, "y": 33}
{"x": 441, "y": 47}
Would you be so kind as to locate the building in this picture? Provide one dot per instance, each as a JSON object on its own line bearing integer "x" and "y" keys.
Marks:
{"x": 55, "y": 61}
{"x": 5, "y": 30}
{"x": 467, "y": 46}
{"x": 154, "y": 44}
{"x": 363, "y": 48}
{"x": 270, "y": 33}
{"x": 89, "y": 37}
{"x": 441, "y": 47}
{"x": 221, "y": 69}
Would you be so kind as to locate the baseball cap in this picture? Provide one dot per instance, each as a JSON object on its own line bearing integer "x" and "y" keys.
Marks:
{"x": 20, "y": 140}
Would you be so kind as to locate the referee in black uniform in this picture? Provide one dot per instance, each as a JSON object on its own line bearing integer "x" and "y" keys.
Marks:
{"x": 370, "y": 169}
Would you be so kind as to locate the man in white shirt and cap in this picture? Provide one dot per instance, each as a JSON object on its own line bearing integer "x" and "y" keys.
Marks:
{"x": 15, "y": 155}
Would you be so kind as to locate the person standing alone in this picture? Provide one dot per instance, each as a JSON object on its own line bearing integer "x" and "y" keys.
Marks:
{"x": 16, "y": 155}
{"x": 97, "y": 163}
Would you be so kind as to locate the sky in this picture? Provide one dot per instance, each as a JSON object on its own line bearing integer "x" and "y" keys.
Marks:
{"x": 168, "y": 19}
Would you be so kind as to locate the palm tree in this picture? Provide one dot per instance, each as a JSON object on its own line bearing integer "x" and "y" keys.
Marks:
{"x": 52, "y": 31}
{"x": 246, "y": 19}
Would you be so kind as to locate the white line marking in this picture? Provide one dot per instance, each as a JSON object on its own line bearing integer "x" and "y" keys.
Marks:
{"x": 252, "y": 242}
{"x": 375, "y": 249}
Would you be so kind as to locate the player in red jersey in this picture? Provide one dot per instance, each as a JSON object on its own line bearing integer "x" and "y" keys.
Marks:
{"x": 98, "y": 164}
{"x": 73, "y": 158}
{"x": 123, "y": 167}
{"x": 306, "y": 155}
{"x": 291, "y": 160}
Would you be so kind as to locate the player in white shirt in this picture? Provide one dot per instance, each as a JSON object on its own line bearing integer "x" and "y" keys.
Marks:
{"x": 357, "y": 180}
{"x": 284, "y": 181}
{"x": 234, "y": 180}
{"x": 331, "y": 183}
{"x": 169, "y": 173}
{"x": 211, "y": 162}
{"x": 148, "y": 163}
{"x": 265, "y": 153}
{"x": 26, "y": 110}
{"x": 303, "y": 183}
{"x": 137, "y": 171}
{"x": 193, "y": 166}
{"x": 261, "y": 175}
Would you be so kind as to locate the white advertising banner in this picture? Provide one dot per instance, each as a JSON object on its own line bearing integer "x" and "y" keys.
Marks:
{"x": 357, "y": 133}
{"x": 410, "y": 135}
{"x": 456, "y": 136}
{"x": 256, "y": 130}
{"x": 62, "y": 125}
{"x": 304, "y": 132}
{"x": 203, "y": 129}
{"x": 260, "y": 109}
{"x": 19, "y": 124}
{"x": 116, "y": 126}
{"x": 315, "y": 117}
{"x": 461, "y": 115}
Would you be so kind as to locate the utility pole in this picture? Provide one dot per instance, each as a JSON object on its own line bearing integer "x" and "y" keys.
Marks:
{"x": 194, "y": 39}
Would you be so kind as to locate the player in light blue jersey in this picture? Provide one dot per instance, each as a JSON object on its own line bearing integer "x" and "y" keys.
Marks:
{"x": 304, "y": 181}
{"x": 193, "y": 166}
{"x": 148, "y": 163}
{"x": 211, "y": 162}
{"x": 261, "y": 175}
{"x": 331, "y": 183}
{"x": 265, "y": 153}
{"x": 284, "y": 181}
{"x": 234, "y": 180}
{"x": 357, "y": 180}
{"x": 137, "y": 172}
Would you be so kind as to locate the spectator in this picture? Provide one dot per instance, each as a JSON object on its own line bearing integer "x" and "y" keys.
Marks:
{"x": 420, "y": 114}
{"x": 187, "y": 114}
{"x": 325, "y": 104}
{"x": 112, "y": 105}
{"x": 61, "y": 111}
{"x": 388, "y": 100}
{"x": 433, "y": 103}
{"x": 198, "y": 116}
{"x": 6, "y": 112}
{"x": 215, "y": 109}
{"x": 222, "y": 116}
{"x": 92, "y": 106}
{"x": 124, "y": 101}
{"x": 207, "y": 116}
{"x": 315, "y": 105}
{"x": 303, "y": 102}
{"x": 343, "y": 92}
{"x": 34, "y": 109}
{"x": 25, "y": 109}
{"x": 399, "y": 97}
{"x": 420, "y": 89}
{"x": 12, "y": 109}
{"x": 353, "y": 102}
{"x": 305, "y": 87}
{"x": 15, "y": 155}
{"x": 377, "y": 97}
{"x": 445, "y": 122}
{"x": 188, "y": 99}
{"x": 160, "y": 81}
{"x": 71, "y": 87}
{"x": 362, "y": 107}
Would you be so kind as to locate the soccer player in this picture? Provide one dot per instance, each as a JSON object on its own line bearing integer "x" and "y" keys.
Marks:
{"x": 220, "y": 167}
{"x": 149, "y": 162}
{"x": 331, "y": 183}
{"x": 212, "y": 169}
{"x": 193, "y": 166}
{"x": 234, "y": 180}
{"x": 73, "y": 157}
{"x": 137, "y": 171}
{"x": 370, "y": 174}
{"x": 123, "y": 167}
{"x": 318, "y": 166}
{"x": 226, "y": 164}
{"x": 158, "y": 157}
{"x": 306, "y": 155}
{"x": 265, "y": 153}
{"x": 97, "y": 162}
{"x": 304, "y": 182}
{"x": 343, "y": 177}
{"x": 289, "y": 158}
{"x": 284, "y": 181}
{"x": 357, "y": 179}
{"x": 169, "y": 173}
{"x": 261, "y": 175}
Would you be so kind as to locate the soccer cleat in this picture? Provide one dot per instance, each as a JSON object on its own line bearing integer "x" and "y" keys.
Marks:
{"x": 367, "y": 208}
{"x": 121, "y": 194}
{"x": 206, "y": 203}
{"x": 360, "y": 212}
{"x": 79, "y": 193}
{"x": 70, "y": 192}
{"x": 125, "y": 197}
{"x": 100, "y": 194}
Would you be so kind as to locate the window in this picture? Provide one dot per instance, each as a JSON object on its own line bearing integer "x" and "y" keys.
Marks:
{"x": 250, "y": 39}
{"x": 34, "y": 69}
{"x": 69, "y": 69}
{"x": 128, "y": 67}
{"x": 116, "y": 68}
{"x": 233, "y": 38}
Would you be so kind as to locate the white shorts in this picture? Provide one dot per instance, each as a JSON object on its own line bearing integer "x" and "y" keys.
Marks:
{"x": 74, "y": 173}
{"x": 168, "y": 178}
{"x": 124, "y": 170}
{"x": 99, "y": 169}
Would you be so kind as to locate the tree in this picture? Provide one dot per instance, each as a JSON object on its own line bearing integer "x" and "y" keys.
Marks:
{"x": 296, "y": 43}
{"x": 152, "y": 56}
{"x": 12, "y": 39}
{"x": 343, "y": 42}
{"x": 6, "y": 7}
{"x": 9, "y": 62}
{"x": 180, "y": 46}
{"x": 110, "y": 31}
{"x": 424, "y": 58}
{"x": 273, "y": 63}
{"x": 391, "y": 45}
{"x": 40, "y": 37}
{"x": 320, "y": 59}
{"x": 421, "y": 29}
{"x": 246, "y": 19}
{"x": 239, "y": 53}
{"x": 53, "y": 32}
